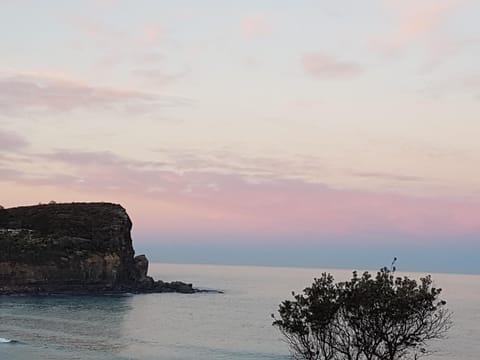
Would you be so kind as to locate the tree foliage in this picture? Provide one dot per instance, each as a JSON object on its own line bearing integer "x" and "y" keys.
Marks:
{"x": 380, "y": 317}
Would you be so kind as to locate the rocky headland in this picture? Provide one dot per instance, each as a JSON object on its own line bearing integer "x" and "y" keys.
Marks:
{"x": 76, "y": 248}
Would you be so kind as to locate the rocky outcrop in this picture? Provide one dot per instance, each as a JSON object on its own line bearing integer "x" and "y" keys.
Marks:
{"x": 77, "y": 248}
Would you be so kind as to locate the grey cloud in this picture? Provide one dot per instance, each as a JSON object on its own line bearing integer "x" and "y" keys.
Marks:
{"x": 324, "y": 66}
{"x": 11, "y": 141}
{"x": 38, "y": 91}
{"x": 9, "y": 174}
{"x": 158, "y": 76}
{"x": 84, "y": 157}
{"x": 226, "y": 161}
{"x": 120, "y": 172}
{"x": 390, "y": 177}
{"x": 465, "y": 85}
{"x": 179, "y": 174}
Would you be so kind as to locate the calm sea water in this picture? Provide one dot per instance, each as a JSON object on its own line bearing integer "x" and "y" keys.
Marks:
{"x": 234, "y": 325}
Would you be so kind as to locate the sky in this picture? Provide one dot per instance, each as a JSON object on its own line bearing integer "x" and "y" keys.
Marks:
{"x": 307, "y": 133}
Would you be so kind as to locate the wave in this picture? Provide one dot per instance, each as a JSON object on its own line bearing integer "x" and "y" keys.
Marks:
{"x": 6, "y": 341}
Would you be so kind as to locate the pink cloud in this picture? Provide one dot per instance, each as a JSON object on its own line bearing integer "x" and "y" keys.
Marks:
{"x": 151, "y": 34}
{"x": 255, "y": 26}
{"x": 414, "y": 21}
{"x": 289, "y": 207}
{"x": 99, "y": 33}
{"x": 115, "y": 45}
{"x": 324, "y": 66}
{"x": 169, "y": 201}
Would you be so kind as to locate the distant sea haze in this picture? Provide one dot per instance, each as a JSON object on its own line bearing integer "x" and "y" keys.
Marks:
{"x": 235, "y": 325}
{"x": 364, "y": 253}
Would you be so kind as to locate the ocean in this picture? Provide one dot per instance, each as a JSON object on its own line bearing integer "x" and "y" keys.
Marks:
{"x": 235, "y": 325}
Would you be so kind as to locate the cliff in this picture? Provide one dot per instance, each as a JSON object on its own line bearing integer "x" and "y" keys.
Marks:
{"x": 73, "y": 248}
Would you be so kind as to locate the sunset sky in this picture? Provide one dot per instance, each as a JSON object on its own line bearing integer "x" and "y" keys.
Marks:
{"x": 307, "y": 132}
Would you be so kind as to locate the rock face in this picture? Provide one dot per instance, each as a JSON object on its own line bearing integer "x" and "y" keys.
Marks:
{"x": 73, "y": 248}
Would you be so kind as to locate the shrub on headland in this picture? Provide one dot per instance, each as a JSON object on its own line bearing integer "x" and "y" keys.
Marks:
{"x": 366, "y": 318}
